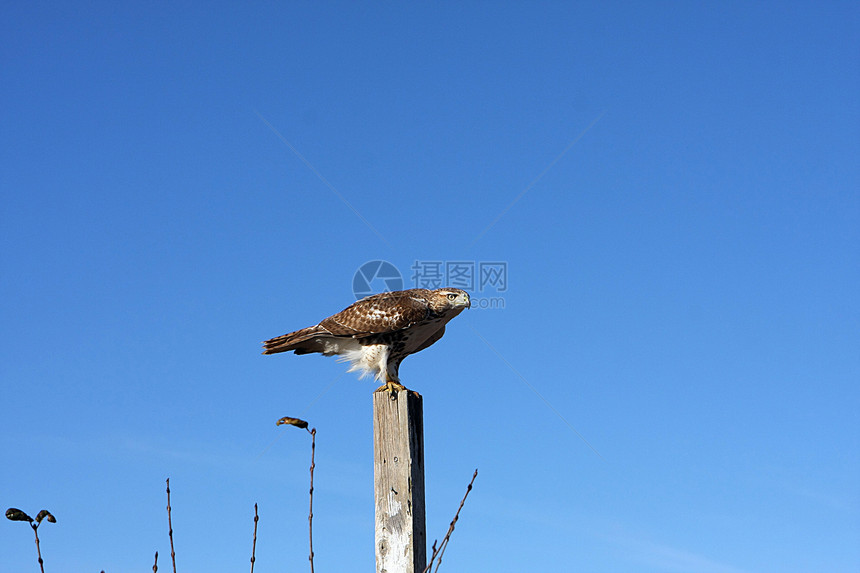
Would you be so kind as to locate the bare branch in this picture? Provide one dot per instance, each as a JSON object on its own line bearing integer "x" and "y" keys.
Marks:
{"x": 254, "y": 546}
{"x": 170, "y": 528}
{"x": 313, "y": 433}
{"x": 38, "y": 549}
{"x": 441, "y": 550}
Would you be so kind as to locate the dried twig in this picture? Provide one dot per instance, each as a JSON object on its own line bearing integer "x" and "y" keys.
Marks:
{"x": 432, "y": 558}
{"x": 292, "y": 422}
{"x": 155, "y": 565}
{"x": 441, "y": 550}
{"x": 313, "y": 433}
{"x": 39, "y": 551}
{"x": 254, "y": 546}
{"x": 14, "y": 514}
{"x": 170, "y": 528}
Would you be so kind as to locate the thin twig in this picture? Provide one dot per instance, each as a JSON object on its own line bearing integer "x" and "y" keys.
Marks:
{"x": 38, "y": 549}
{"x": 433, "y": 557}
{"x": 254, "y": 546}
{"x": 155, "y": 565}
{"x": 444, "y": 544}
{"x": 170, "y": 528}
{"x": 313, "y": 433}
{"x": 299, "y": 423}
{"x": 314, "y": 401}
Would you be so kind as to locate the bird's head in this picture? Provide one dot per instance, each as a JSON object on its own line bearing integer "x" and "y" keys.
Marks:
{"x": 448, "y": 299}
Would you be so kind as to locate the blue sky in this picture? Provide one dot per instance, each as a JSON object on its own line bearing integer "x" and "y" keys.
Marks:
{"x": 673, "y": 188}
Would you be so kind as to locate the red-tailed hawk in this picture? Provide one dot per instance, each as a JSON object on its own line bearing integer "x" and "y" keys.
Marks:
{"x": 376, "y": 333}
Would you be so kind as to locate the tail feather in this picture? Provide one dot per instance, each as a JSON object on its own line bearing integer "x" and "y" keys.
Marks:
{"x": 301, "y": 341}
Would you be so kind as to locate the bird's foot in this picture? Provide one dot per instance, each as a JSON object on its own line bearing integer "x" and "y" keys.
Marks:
{"x": 391, "y": 386}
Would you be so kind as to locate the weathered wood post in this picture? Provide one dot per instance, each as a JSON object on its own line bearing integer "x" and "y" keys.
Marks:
{"x": 398, "y": 475}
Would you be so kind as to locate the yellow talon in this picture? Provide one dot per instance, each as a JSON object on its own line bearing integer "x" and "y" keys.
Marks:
{"x": 391, "y": 386}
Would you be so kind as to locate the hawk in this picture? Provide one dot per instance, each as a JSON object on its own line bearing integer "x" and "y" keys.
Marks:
{"x": 376, "y": 333}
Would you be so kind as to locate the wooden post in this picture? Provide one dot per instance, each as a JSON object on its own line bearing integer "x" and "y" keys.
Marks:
{"x": 398, "y": 475}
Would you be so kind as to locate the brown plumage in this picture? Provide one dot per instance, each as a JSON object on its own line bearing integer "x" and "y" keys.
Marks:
{"x": 376, "y": 333}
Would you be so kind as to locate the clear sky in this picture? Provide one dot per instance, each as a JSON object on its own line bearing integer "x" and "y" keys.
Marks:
{"x": 672, "y": 188}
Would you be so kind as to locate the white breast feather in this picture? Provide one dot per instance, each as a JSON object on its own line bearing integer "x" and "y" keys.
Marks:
{"x": 369, "y": 360}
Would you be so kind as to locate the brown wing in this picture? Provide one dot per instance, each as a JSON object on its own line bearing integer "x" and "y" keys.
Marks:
{"x": 379, "y": 314}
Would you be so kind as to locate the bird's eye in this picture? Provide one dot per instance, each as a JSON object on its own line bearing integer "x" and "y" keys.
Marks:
{"x": 452, "y": 296}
